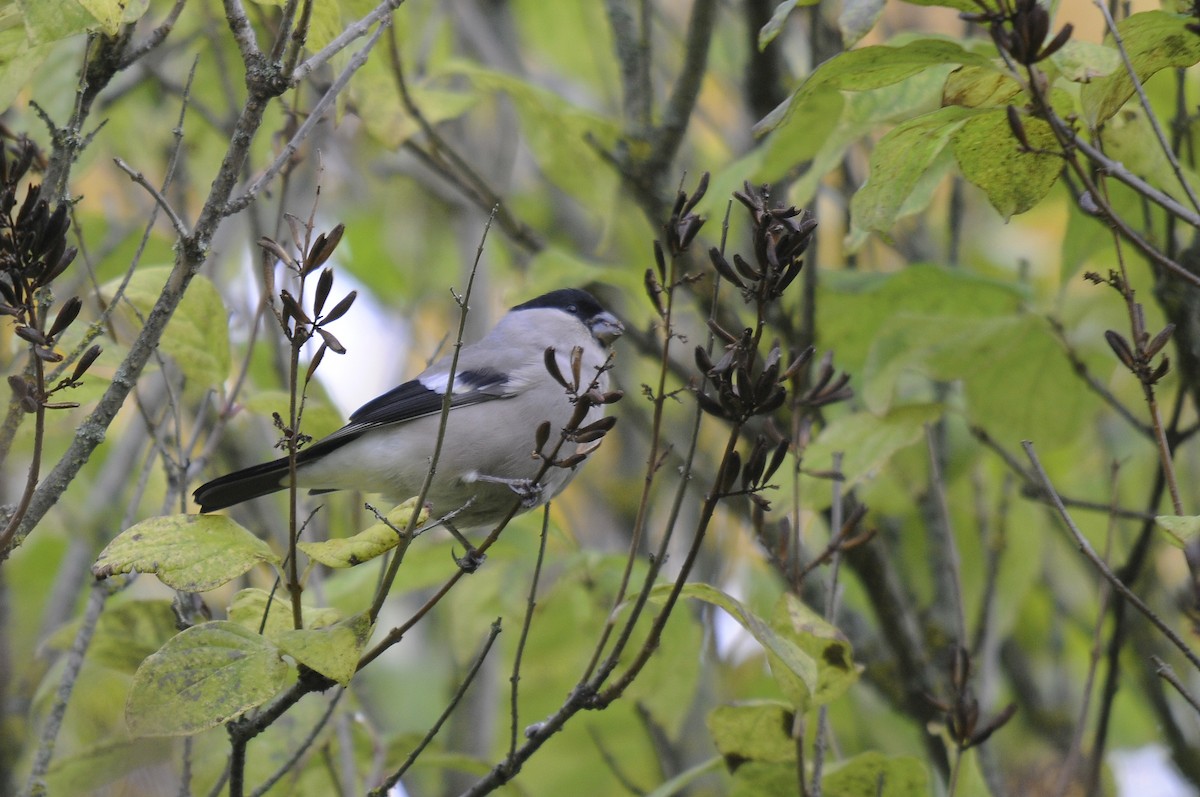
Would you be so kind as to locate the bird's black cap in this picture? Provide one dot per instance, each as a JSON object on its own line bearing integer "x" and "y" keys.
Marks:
{"x": 571, "y": 300}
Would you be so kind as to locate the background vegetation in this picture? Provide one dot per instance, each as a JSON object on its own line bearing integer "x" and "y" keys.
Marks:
{"x": 897, "y": 537}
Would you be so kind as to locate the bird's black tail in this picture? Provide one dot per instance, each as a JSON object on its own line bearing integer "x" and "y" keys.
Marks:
{"x": 242, "y": 485}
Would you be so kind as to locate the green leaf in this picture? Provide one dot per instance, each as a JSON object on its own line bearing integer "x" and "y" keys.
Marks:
{"x": 562, "y": 137}
{"x": 754, "y": 731}
{"x": 1154, "y": 40}
{"x": 333, "y": 651}
{"x": 878, "y": 66}
{"x": 857, "y": 18}
{"x": 1009, "y": 365}
{"x": 373, "y": 541}
{"x": 795, "y": 671}
{"x": 110, "y": 15}
{"x": 196, "y": 337}
{"x": 868, "y": 441}
{"x": 680, "y": 782}
{"x": 1083, "y": 62}
{"x": 897, "y": 164}
{"x": 1179, "y": 528}
{"x": 774, "y": 25}
{"x": 822, "y": 641}
{"x": 250, "y": 605}
{"x": 191, "y": 553}
{"x": 763, "y": 779}
{"x": 873, "y": 773}
{"x": 979, "y": 87}
{"x": 990, "y": 157}
{"x": 961, "y": 5}
{"x": 203, "y": 677}
{"x": 97, "y": 765}
{"x": 126, "y": 633}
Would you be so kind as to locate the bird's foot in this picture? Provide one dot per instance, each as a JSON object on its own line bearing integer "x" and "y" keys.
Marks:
{"x": 470, "y": 561}
{"x": 529, "y": 491}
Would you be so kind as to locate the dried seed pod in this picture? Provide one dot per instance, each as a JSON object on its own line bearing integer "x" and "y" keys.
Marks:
{"x": 745, "y": 269}
{"x": 721, "y": 332}
{"x": 654, "y": 292}
{"x": 660, "y": 260}
{"x": 85, "y": 362}
{"x": 551, "y": 362}
{"x": 1160, "y": 340}
{"x": 698, "y": 194}
{"x": 755, "y": 463}
{"x": 66, "y": 314}
{"x": 280, "y": 254}
{"x": 604, "y": 425}
{"x": 541, "y": 437}
{"x": 723, "y": 268}
{"x": 703, "y": 361}
{"x": 729, "y": 473}
{"x": 777, "y": 456}
{"x": 581, "y": 410}
{"x": 1121, "y": 348}
{"x": 31, "y": 335}
{"x": 1017, "y": 127}
{"x": 315, "y": 362}
{"x": 331, "y": 341}
{"x": 711, "y": 405}
{"x": 324, "y": 286}
{"x": 341, "y": 308}
{"x": 322, "y": 248}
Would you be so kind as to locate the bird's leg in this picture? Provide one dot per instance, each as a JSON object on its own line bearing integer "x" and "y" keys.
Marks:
{"x": 529, "y": 490}
{"x": 470, "y": 561}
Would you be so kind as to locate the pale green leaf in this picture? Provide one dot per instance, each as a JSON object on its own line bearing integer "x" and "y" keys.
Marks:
{"x": 126, "y": 633}
{"x": 898, "y": 162}
{"x": 868, "y": 441}
{"x": 979, "y": 87}
{"x": 680, "y": 782}
{"x": 864, "y": 774}
{"x": 191, "y": 553}
{"x": 203, "y": 677}
{"x": 110, "y": 15}
{"x": 961, "y": 5}
{"x": 795, "y": 671}
{"x": 774, "y": 25}
{"x": 249, "y": 607}
{"x": 50, "y": 20}
{"x": 332, "y": 651}
{"x": 1083, "y": 62}
{"x": 375, "y": 540}
{"x": 1179, "y": 528}
{"x": 754, "y": 731}
{"x": 86, "y": 770}
{"x": 857, "y": 18}
{"x": 764, "y": 779}
{"x": 197, "y": 337}
{"x": 878, "y": 66}
{"x": 1154, "y": 40}
{"x": 1013, "y": 178}
{"x": 822, "y": 641}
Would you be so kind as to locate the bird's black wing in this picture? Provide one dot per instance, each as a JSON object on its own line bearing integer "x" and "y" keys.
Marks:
{"x": 414, "y": 399}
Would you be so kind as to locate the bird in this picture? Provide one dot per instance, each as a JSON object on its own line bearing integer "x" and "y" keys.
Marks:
{"x": 503, "y": 391}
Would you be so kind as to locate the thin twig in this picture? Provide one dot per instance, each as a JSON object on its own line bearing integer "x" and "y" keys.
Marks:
{"x": 301, "y": 748}
{"x": 394, "y": 778}
{"x": 180, "y": 227}
{"x": 1085, "y": 547}
{"x": 1164, "y": 671}
{"x": 530, "y": 604}
{"x": 1164, "y": 146}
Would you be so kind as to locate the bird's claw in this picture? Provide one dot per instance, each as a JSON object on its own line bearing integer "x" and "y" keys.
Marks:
{"x": 470, "y": 561}
{"x": 528, "y": 490}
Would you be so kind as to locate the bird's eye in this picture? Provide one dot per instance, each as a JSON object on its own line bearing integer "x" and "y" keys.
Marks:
{"x": 572, "y": 309}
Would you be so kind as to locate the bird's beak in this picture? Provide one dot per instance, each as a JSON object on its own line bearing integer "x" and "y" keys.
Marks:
{"x": 606, "y": 328}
